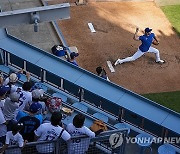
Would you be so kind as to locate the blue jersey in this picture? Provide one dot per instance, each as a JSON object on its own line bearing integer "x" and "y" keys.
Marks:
{"x": 30, "y": 124}
{"x": 146, "y": 42}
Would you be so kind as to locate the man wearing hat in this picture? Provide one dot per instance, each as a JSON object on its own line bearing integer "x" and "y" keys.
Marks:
{"x": 146, "y": 41}
{"x": 31, "y": 121}
{"x": 72, "y": 58}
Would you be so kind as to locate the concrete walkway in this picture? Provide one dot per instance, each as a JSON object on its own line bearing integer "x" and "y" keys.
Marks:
{"x": 44, "y": 39}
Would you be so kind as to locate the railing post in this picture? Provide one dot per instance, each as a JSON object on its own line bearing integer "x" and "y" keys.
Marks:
{"x": 2, "y": 56}
{"x": 43, "y": 75}
{"x": 57, "y": 145}
{"x": 6, "y": 58}
{"x": 121, "y": 114}
{"x": 81, "y": 94}
{"x": 24, "y": 65}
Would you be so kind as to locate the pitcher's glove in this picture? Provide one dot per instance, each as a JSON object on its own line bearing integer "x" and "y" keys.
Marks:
{"x": 155, "y": 42}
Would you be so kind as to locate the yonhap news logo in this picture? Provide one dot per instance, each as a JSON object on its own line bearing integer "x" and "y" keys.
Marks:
{"x": 117, "y": 139}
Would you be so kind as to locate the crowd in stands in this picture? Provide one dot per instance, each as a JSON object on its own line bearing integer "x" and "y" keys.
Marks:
{"x": 26, "y": 115}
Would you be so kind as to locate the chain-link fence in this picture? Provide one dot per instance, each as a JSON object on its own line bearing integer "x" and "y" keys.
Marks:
{"x": 107, "y": 142}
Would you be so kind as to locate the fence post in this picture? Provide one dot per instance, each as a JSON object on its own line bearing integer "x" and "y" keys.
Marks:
{"x": 43, "y": 74}
{"x": 81, "y": 94}
{"x": 2, "y": 56}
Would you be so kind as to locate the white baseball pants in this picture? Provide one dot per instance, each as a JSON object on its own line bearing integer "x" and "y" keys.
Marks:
{"x": 138, "y": 54}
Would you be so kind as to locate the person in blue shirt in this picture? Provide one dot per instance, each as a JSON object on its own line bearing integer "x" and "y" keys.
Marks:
{"x": 59, "y": 50}
{"x": 72, "y": 60}
{"x": 30, "y": 120}
{"x": 146, "y": 41}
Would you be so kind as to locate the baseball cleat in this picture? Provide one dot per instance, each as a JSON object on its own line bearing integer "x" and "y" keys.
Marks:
{"x": 160, "y": 61}
{"x": 117, "y": 62}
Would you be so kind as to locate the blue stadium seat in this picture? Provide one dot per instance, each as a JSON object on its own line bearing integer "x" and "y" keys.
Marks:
{"x": 122, "y": 126}
{"x": 80, "y": 106}
{"x": 59, "y": 95}
{"x": 41, "y": 85}
{"x": 4, "y": 69}
{"x": 69, "y": 119}
{"x": 101, "y": 116}
{"x": 23, "y": 78}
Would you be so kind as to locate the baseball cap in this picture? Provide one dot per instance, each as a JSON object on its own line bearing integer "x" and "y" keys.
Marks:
{"x": 14, "y": 96}
{"x": 37, "y": 93}
{"x": 4, "y": 90}
{"x": 54, "y": 104}
{"x": 99, "y": 70}
{"x": 58, "y": 47}
{"x": 13, "y": 77}
{"x": 35, "y": 107}
{"x": 73, "y": 54}
{"x": 147, "y": 30}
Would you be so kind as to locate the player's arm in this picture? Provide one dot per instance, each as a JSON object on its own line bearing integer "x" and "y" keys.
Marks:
{"x": 156, "y": 39}
{"x": 136, "y": 37}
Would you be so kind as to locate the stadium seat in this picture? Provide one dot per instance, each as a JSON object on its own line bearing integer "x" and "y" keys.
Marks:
{"x": 166, "y": 149}
{"x": 101, "y": 116}
{"x": 80, "y": 106}
{"x": 69, "y": 119}
{"x": 41, "y": 85}
{"x": 4, "y": 69}
{"x": 59, "y": 95}
{"x": 122, "y": 126}
{"x": 23, "y": 78}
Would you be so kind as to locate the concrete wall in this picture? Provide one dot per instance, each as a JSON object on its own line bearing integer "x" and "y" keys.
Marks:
{"x": 167, "y": 2}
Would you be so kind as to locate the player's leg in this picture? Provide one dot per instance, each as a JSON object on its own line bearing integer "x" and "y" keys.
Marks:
{"x": 138, "y": 54}
{"x": 156, "y": 51}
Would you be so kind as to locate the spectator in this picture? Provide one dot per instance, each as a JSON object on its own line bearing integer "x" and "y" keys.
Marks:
{"x": 14, "y": 138}
{"x": 51, "y": 131}
{"x": 11, "y": 80}
{"x": 102, "y": 73}
{"x": 53, "y": 105}
{"x": 31, "y": 121}
{"x": 59, "y": 50}
{"x": 25, "y": 97}
{"x": 72, "y": 58}
{"x": 10, "y": 106}
{"x": 37, "y": 96}
{"x": 3, "y": 128}
{"x": 79, "y": 146}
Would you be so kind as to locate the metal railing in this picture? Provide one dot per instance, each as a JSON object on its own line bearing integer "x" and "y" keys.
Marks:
{"x": 76, "y": 145}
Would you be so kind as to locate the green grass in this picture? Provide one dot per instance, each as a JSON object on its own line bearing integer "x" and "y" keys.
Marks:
{"x": 172, "y": 12}
{"x": 170, "y": 100}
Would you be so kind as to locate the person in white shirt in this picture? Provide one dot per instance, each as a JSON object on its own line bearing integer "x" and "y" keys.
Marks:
{"x": 3, "y": 128}
{"x": 11, "y": 80}
{"x": 25, "y": 97}
{"x": 13, "y": 138}
{"x": 50, "y": 131}
{"x": 79, "y": 145}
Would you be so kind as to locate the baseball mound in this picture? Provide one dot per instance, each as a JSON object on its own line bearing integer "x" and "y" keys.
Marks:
{"x": 115, "y": 24}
